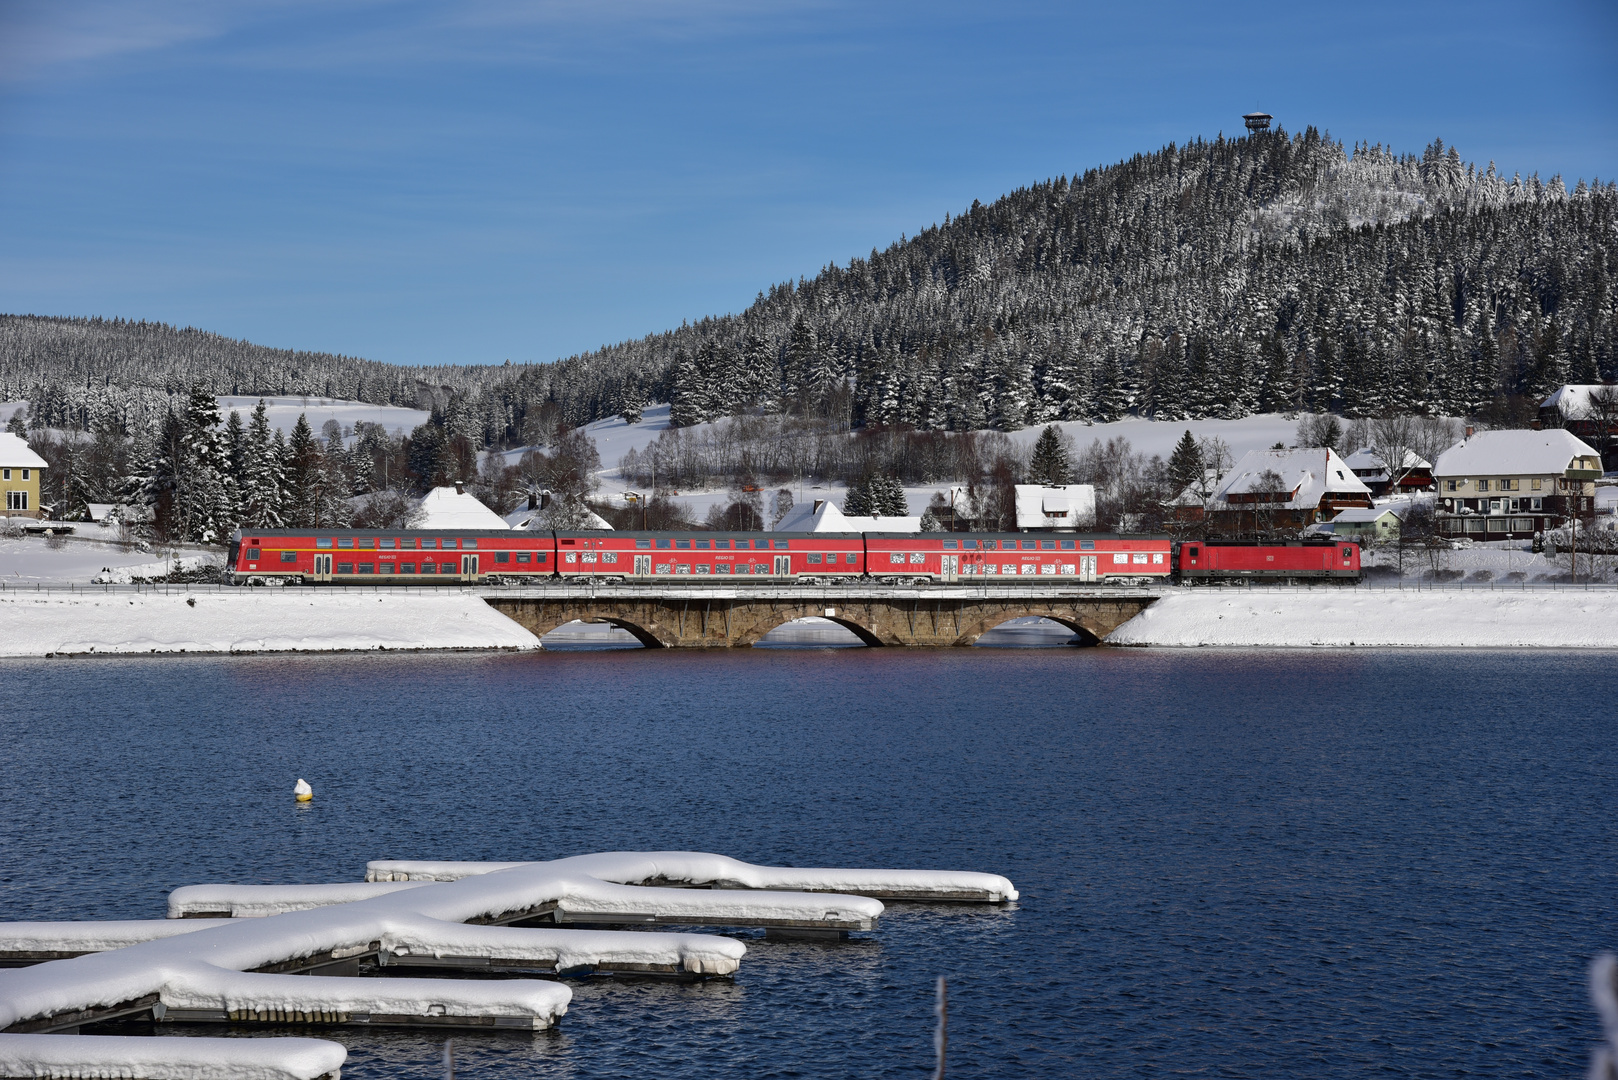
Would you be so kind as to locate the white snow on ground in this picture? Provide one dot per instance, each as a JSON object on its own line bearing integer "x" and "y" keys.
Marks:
{"x": 262, "y": 901}
{"x": 90, "y": 1056}
{"x": 93, "y": 936}
{"x": 82, "y": 557}
{"x": 1562, "y": 618}
{"x": 42, "y": 624}
{"x": 282, "y": 412}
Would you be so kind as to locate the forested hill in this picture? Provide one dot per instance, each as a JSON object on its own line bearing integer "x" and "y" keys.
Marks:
{"x": 1273, "y": 271}
{"x": 69, "y": 368}
{"x": 1216, "y": 278}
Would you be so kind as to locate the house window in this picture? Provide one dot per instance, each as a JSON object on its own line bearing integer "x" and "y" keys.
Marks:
{"x": 1483, "y": 485}
{"x": 1451, "y": 485}
{"x": 1537, "y": 504}
{"x": 16, "y": 500}
{"x": 7, "y": 474}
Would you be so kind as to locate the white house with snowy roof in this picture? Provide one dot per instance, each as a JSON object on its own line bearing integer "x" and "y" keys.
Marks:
{"x": 1269, "y": 490}
{"x": 1509, "y": 485}
{"x": 823, "y": 515}
{"x": 454, "y": 508}
{"x": 1059, "y": 509}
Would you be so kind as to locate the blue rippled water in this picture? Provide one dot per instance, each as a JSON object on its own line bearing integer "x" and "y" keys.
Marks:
{"x": 1232, "y": 863}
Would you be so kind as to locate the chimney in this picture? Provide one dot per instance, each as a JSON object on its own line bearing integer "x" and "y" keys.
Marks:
{"x": 1469, "y": 431}
{"x": 533, "y": 501}
{"x": 1536, "y": 425}
{"x": 818, "y": 504}
{"x": 460, "y": 489}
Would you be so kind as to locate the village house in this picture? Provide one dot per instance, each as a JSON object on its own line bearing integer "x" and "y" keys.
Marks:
{"x": 1588, "y": 410}
{"x": 21, "y": 472}
{"x": 1415, "y": 475}
{"x": 1509, "y": 485}
{"x": 1281, "y": 490}
{"x": 1367, "y": 525}
{"x": 1057, "y": 509}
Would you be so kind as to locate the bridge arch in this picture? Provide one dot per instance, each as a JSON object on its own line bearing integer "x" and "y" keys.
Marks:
{"x": 755, "y": 633}
{"x": 1089, "y": 636}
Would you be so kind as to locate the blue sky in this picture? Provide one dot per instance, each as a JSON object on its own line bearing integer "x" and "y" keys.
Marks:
{"x": 472, "y": 182}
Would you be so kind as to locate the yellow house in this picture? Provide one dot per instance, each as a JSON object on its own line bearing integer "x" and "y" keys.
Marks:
{"x": 20, "y": 474}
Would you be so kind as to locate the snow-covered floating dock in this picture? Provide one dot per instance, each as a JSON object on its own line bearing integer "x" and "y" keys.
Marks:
{"x": 287, "y": 954}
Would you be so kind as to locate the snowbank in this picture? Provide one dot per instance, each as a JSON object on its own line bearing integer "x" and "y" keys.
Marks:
{"x": 84, "y": 937}
{"x": 43, "y": 624}
{"x": 1374, "y": 617}
{"x": 261, "y": 901}
{"x": 90, "y": 1056}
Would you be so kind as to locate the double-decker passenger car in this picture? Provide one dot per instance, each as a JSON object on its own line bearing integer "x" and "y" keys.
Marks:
{"x": 732, "y": 558}
{"x": 389, "y": 556}
{"x": 1267, "y": 560}
{"x": 1003, "y": 557}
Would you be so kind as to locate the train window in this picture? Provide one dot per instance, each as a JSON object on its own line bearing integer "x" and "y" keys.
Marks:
{"x": 429, "y": 568}
{"x": 722, "y": 545}
{"x": 1087, "y": 545}
{"x": 897, "y": 557}
{"x": 814, "y": 557}
{"x": 387, "y": 568}
{"x": 368, "y": 542}
{"x": 345, "y": 568}
{"x": 1157, "y": 557}
{"x": 682, "y": 543}
{"x": 502, "y": 556}
{"x": 702, "y": 568}
{"x": 542, "y": 557}
{"x": 387, "y": 545}
{"x": 469, "y": 543}
{"x": 1030, "y": 545}
{"x": 760, "y": 545}
{"x": 1048, "y": 545}
{"x": 407, "y": 568}
{"x": 569, "y": 540}
{"x": 643, "y": 544}
{"x": 346, "y": 542}
{"x": 1067, "y": 545}
{"x": 704, "y": 545}
{"x": 1120, "y": 558}
{"x": 252, "y": 554}
{"x": 1139, "y": 557}
{"x": 917, "y": 557}
{"x": 971, "y": 545}
{"x": 1191, "y": 552}
{"x": 741, "y": 567}
{"x": 988, "y": 545}
{"x": 323, "y": 542}
{"x": 446, "y": 568}
{"x": 609, "y": 556}
{"x": 951, "y": 545}
{"x": 780, "y": 545}
{"x": 1348, "y": 553}
{"x": 851, "y": 558}
{"x": 367, "y": 567}
{"x": 662, "y": 543}
{"x": 721, "y": 568}
{"x": 524, "y": 556}
{"x": 289, "y": 556}
{"x": 682, "y": 568}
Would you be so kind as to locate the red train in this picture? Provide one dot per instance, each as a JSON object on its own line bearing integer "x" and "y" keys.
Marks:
{"x": 405, "y": 557}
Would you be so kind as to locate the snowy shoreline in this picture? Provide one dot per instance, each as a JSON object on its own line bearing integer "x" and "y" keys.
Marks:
{"x": 260, "y": 621}
{"x": 1377, "y": 618}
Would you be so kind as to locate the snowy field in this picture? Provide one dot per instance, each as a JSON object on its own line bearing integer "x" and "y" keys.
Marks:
{"x": 283, "y": 413}
{"x": 1327, "y": 617}
{"x": 259, "y": 620}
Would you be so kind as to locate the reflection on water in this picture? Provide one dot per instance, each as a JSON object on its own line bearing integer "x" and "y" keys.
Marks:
{"x": 1329, "y": 864}
{"x": 813, "y": 632}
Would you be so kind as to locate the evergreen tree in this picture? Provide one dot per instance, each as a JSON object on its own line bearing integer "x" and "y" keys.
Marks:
{"x": 1185, "y": 463}
{"x": 1050, "y": 463}
{"x": 858, "y": 502}
{"x": 887, "y": 497}
{"x": 302, "y": 469}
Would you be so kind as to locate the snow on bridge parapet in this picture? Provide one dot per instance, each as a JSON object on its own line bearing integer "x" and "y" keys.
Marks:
{"x": 237, "y": 970}
{"x": 687, "y": 870}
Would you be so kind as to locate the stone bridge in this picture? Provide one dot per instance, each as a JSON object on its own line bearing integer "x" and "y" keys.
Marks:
{"x": 697, "y": 617}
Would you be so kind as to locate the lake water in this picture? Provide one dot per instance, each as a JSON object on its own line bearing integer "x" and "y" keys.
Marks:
{"x": 1232, "y": 863}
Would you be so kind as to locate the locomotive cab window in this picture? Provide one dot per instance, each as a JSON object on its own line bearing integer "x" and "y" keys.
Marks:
{"x": 252, "y": 554}
{"x": 1348, "y": 553}
{"x": 1190, "y": 552}
{"x": 289, "y": 556}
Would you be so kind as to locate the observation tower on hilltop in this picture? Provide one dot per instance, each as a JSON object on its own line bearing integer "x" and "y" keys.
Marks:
{"x": 1257, "y": 121}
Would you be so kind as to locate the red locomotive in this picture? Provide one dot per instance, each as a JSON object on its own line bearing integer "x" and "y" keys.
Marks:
{"x": 427, "y": 557}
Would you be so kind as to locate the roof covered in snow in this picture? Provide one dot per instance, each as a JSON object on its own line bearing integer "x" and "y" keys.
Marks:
{"x": 15, "y": 454}
{"x": 1574, "y": 399}
{"x": 1517, "y": 453}
{"x": 447, "y": 508}
{"x": 1070, "y": 506}
{"x": 1364, "y": 515}
{"x": 1368, "y": 460}
{"x": 1308, "y": 476}
{"x": 823, "y": 515}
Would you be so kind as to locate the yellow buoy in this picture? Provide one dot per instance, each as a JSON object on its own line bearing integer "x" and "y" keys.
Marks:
{"x": 302, "y": 791}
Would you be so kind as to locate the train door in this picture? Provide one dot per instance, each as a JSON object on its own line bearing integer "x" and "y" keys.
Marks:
{"x": 469, "y": 568}
{"x": 322, "y": 567}
{"x": 949, "y": 567}
{"x": 643, "y": 565}
{"x": 783, "y": 566}
{"x": 1087, "y": 567}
